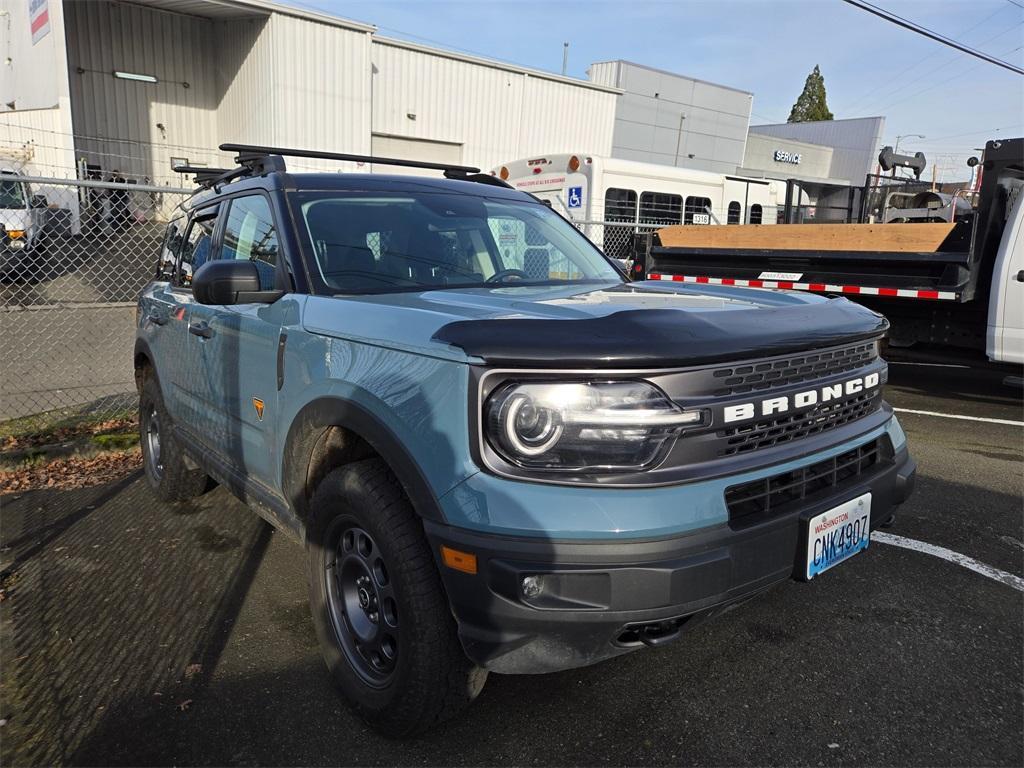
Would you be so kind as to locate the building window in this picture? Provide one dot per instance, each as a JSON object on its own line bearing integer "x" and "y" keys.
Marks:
{"x": 755, "y": 213}
{"x": 620, "y": 205}
{"x": 698, "y": 210}
{"x": 661, "y": 208}
{"x": 735, "y": 209}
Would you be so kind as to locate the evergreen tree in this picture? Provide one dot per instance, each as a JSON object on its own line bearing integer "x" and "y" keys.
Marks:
{"x": 811, "y": 104}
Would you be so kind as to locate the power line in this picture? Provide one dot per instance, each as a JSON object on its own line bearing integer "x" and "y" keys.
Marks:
{"x": 901, "y": 22}
{"x": 1014, "y": 2}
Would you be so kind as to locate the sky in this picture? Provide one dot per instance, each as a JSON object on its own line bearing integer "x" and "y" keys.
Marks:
{"x": 871, "y": 66}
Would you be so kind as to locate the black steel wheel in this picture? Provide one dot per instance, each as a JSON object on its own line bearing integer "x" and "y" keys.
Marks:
{"x": 169, "y": 471}
{"x": 379, "y": 608}
{"x": 362, "y": 604}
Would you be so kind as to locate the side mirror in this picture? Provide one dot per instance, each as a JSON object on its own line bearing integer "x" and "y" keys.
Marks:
{"x": 230, "y": 281}
{"x": 39, "y": 201}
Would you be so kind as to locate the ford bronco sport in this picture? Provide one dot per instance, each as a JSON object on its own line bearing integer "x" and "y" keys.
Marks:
{"x": 498, "y": 453}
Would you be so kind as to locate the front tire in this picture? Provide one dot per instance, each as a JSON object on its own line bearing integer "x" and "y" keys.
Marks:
{"x": 380, "y": 612}
{"x": 163, "y": 457}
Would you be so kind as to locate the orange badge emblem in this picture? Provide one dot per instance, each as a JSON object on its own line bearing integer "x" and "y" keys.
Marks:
{"x": 258, "y": 405}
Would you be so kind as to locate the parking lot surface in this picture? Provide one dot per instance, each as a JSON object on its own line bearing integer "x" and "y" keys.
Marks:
{"x": 139, "y": 633}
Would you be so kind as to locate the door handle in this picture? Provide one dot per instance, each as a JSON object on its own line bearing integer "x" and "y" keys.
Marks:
{"x": 157, "y": 319}
{"x": 1020, "y": 276}
{"x": 201, "y": 329}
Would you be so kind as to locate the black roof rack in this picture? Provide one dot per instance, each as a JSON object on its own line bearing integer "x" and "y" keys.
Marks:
{"x": 205, "y": 177}
{"x": 248, "y": 154}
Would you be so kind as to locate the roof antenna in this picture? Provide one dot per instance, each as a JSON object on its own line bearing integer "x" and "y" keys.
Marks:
{"x": 565, "y": 58}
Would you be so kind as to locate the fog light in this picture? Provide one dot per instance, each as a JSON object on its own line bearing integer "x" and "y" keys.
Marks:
{"x": 17, "y": 245}
{"x": 532, "y": 586}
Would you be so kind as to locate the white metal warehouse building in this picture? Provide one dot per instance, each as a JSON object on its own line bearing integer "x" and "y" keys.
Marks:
{"x": 135, "y": 86}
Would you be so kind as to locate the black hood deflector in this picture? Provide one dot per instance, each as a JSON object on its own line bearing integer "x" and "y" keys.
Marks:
{"x": 661, "y": 338}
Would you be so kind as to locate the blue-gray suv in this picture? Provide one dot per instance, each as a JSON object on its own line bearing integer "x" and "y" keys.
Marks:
{"x": 499, "y": 454}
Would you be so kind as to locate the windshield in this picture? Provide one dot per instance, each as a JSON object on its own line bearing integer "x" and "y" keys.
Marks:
{"x": 12, "y": 194}
{"x": 375, "y": 243}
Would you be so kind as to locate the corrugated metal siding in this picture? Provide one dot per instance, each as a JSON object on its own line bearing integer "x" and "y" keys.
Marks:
{"x": 321, "y": 88}
{"x": 497, "y": 115}
{"x": 116, "y": 120}
{"x": 245, "y": 76}
{"x": 44, "y": 136}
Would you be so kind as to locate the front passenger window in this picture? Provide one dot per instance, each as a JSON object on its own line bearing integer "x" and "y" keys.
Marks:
{"x": 249, "y": 234}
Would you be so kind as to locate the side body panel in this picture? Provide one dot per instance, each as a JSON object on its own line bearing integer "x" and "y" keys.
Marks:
{"x": 1005, "y": 337}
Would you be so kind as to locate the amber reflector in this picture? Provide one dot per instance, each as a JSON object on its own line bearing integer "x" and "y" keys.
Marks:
{"x": 503, "y": 173}
{"x": 459, "y": 561}
{"x": 574, "y": 163}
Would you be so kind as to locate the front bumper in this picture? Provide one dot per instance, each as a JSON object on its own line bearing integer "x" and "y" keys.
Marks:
{"x": 604, "y": 598}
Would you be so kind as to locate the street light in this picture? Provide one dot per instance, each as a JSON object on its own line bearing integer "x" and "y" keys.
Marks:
{"x": 906, "y": 136}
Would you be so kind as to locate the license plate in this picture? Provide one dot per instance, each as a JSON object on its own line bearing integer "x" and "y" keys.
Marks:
{"x": 837, "y": 535}
{"x": 788, "y": 276}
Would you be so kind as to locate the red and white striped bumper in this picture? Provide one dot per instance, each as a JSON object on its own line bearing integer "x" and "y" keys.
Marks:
{"x": 862, "y": 290}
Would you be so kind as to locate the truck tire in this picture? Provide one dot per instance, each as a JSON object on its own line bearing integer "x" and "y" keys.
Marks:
{"x": 162, "y": 455}
{"x": 379, "y": 608}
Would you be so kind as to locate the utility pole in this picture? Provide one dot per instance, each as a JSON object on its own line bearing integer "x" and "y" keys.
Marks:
{"x": 565, "y": 58}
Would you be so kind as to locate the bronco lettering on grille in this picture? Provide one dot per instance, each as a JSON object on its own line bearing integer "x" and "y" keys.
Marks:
{"x": 783, "y": 404}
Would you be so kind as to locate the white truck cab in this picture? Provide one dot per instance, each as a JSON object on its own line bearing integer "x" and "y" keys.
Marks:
{"x": 22, "y": 219}
{"x": 1005, "y": 337}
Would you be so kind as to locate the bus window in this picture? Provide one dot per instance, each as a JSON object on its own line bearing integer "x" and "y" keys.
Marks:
{"x": 620, "y": 205}
{"x": 661, "y": 208}
{"x": 734, "y": 212}
{"x": 755, "y": 213}
{"x": 698, "y": 210}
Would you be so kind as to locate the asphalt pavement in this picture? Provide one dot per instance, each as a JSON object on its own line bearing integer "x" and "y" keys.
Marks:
{"x": 146, "y": 634}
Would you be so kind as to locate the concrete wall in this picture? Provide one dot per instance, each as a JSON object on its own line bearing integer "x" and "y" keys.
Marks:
{"x": 674, "y": 120}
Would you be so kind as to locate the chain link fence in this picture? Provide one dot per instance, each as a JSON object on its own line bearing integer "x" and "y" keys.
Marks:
{"x": 74, "y": 256}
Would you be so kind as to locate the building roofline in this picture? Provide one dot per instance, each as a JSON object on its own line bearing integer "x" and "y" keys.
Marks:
{"x": 673, "y": 74}
{"x": 808, "y": 122}
{"x": 471, "y": 59}
{"x": 269, "y": 6}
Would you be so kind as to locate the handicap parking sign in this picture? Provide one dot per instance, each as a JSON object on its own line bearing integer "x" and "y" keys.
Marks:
{"x": 575, "y": 197}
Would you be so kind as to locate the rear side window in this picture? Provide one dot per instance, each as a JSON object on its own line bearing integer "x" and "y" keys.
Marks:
{"x": 755, "y": 213}
{"x": 735, "y": 209}
{"x": 249, "y": 234}
{"x": 197, "y": 247}
{"x": 661, "y": 208}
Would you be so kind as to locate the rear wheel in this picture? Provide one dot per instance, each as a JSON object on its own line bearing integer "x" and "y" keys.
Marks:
{"x": 163, "y": 458}
{"x": 379, "y": 608}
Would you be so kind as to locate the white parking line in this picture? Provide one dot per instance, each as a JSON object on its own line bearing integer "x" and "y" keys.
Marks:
{"x": 954, "y": 557}
{"x": 958, "y": 416}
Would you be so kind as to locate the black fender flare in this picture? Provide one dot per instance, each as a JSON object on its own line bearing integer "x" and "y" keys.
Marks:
{"x": 308, "y": 426}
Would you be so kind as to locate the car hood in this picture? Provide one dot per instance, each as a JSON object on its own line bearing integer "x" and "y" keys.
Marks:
{"x": 635, "y": 324}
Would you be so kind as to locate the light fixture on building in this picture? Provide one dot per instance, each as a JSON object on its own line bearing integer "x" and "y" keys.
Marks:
{"x": 134, "y": 76}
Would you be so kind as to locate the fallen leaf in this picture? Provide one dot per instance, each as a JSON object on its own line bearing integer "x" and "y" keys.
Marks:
{"x": 185, "y": 705}
{"x": 192, "y": 670}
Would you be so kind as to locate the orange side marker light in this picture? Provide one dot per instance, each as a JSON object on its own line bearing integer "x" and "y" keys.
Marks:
{"x": 459, "y": 561}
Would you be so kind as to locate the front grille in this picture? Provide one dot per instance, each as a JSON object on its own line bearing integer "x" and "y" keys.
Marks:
{"x": 775, "y": 495}
{"x": 782, "y": 429}
{"x": 754, "y": 377}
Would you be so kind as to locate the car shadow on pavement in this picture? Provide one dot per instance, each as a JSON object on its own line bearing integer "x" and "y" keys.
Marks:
{"x": 116, "y": 605}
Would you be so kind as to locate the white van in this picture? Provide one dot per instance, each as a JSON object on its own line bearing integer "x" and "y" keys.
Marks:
{"x": 23, "y": 218}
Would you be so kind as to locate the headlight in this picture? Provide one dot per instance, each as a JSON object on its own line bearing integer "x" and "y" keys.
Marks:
{"x": 594, "y": 426}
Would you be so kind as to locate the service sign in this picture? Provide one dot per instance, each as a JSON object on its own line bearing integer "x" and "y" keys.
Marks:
{"x": 39, "y": 19}
{"x": 782, "y": 156}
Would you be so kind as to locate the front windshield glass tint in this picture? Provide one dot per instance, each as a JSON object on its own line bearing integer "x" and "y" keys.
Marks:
{"x": 12, "y": 194}
{"x": 376, "y": 243}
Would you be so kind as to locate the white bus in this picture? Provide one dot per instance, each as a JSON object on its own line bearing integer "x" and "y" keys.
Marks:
{"x": 597, "y": 191}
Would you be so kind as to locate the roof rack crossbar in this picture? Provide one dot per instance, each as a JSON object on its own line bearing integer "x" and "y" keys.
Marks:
{"x": 205, "y": 177}
{"x": 247, "y": 152}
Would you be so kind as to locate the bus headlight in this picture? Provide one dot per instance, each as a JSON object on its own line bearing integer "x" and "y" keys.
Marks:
{"x": 592, "y": 426}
